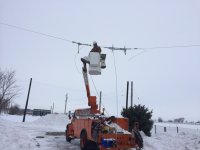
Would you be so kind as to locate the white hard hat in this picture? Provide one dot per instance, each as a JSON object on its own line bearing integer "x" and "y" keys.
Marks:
{"x": 94, "y": 42}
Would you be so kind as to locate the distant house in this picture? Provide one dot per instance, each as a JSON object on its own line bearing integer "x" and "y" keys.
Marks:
{"x": 41, "y": 112}
{"x": 179, "y": 120}
{"x": 29, "y": 111}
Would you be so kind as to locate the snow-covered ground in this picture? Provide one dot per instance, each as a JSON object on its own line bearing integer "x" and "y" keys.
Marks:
{"x": 17, "y": 118}
{"x": 32, "y": 135}
{"x": 15, "y": 135}
{"x": 187, "y": 138}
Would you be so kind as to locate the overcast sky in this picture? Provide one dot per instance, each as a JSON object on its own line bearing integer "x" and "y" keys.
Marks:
{"x": 165, "y": 80}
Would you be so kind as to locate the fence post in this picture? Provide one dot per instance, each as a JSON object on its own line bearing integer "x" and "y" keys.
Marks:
{"x": 165, "y": 129}
{"x": 177, "y": 129}
{"x": 155, "y": 128}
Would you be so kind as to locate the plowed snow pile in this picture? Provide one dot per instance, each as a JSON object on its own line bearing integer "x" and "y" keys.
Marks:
{"x": 15, "y": 135}
{"x": 54, "y": 121}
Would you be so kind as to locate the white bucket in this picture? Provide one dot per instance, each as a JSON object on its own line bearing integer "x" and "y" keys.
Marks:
{"x": 94, "y": 66}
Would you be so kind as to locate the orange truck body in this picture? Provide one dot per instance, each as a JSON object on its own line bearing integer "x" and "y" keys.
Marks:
{"x": 123, "y": 141}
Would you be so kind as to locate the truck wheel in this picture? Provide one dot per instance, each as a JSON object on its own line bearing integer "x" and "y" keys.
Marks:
{"x": 68, "y": 139}
{"x": 91, "y": 145}
{"x": 83, "y": 140}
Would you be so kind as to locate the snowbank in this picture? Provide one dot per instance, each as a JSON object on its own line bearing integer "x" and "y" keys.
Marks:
{"x": 19, "y": 118}
{"x": 17, "y": 135}
{"x": 13, "y": 136}
{"x": 54, "y": 121}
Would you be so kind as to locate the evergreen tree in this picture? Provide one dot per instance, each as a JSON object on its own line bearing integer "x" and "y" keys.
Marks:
{"x": 141, "y": 114}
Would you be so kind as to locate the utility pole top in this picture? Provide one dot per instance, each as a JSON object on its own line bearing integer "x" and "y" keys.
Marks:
{"x": 66, "y": 102}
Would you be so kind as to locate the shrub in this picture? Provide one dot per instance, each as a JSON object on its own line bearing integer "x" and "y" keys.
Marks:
{"x": 141, "y": 114}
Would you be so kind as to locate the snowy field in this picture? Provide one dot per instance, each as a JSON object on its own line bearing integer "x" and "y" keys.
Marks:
{"x": 16, "y": 135}
{"x": 187, "y": 138}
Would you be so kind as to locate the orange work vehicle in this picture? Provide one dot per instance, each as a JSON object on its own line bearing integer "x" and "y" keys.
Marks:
{"x": 95, "y": 130}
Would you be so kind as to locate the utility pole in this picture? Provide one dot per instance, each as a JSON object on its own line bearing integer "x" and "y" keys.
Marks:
{"x": 100, "y": 102}
{"x": 127, "y": 94}
{"x": 66, "y": 103}
{"x": 131, "y": 93}
{"x": 27, "y": 100}
{"x": 53, "y": 108}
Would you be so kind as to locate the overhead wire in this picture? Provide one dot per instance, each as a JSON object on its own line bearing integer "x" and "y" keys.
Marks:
{"x": 168, "y": 47}
{"x": 98, "y": 94}
{"x": 116, "y": 87}
{"x": 36, "y": 32}
{"x": 76, "y": 64}
{"x": 111, "y": 48}
{"x": 116, "y": 79}
{"x": 144, "y": 51}
{"x": 75, "y": 60}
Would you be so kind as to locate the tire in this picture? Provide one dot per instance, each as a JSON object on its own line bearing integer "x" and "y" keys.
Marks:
{"x": 83, "y": 140}
{"x": 92, "y": 145}
{"x": 68, "y": 139}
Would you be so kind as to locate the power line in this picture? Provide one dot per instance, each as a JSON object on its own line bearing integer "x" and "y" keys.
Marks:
{"x": 116, "y": 79}
{"x": 144, "y": 51}
{"x": 76, "y": 64}
{"x": 110, "y": 48}
{"x": 36, "y": 32}
{"x": 44, "y": 34}
{"x": 98, "y": 94}
{"x": 168, "y": 47}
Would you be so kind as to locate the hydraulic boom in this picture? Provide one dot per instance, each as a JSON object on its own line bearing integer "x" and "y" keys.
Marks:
{"x": 91, "y": 99}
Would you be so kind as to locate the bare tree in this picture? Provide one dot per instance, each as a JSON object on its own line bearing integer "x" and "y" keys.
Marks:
{"x": 8, "y": 88}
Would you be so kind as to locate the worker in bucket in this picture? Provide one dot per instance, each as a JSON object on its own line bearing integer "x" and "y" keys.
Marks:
{"x": 97, "y": 49}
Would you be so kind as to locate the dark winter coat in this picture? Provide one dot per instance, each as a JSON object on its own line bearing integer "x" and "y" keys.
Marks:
{"x": 96, "y": 49}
